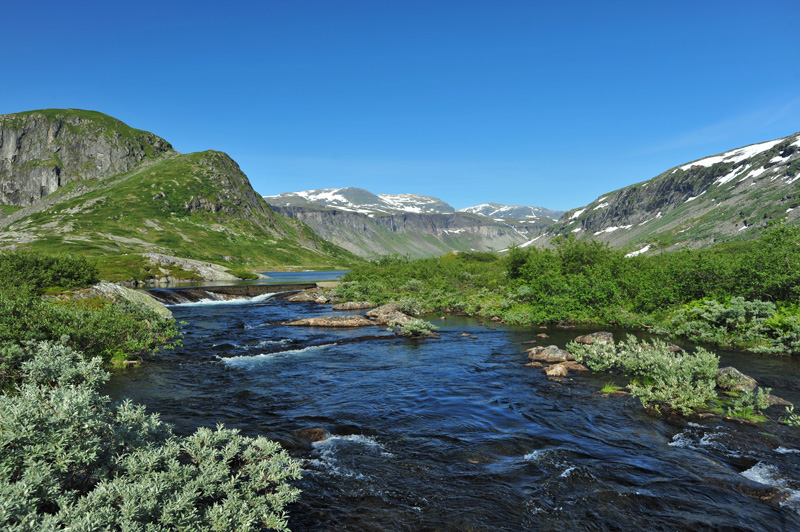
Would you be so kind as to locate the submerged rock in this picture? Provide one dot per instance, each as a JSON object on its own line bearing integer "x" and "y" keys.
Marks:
{"x": 550, "y": 354}
{"x": 332, "y": 321}
{"x": 601, "y": 337}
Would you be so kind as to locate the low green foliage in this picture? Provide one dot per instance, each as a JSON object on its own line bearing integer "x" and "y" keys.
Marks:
{"x": 791, "y": 418}
{"x": 740, "y": 295}
{"x": 19, "y": 269}
{"x": 242, "y": 273}
{"x": 414, "y": 327}
{"x": 660, "y": 375}
{"x": 611, "y": 387}
{"x": 749, "y": 404}
{"x": 73, "y": 461}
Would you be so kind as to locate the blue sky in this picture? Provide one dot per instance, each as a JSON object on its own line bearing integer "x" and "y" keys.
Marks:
{"x": 517, "y": 102}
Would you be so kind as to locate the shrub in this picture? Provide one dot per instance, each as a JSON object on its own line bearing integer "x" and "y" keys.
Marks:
{"x": 72, "y": 460}
{"x": 96, "y": 327}
{"x": 37, "y": 271}
{"x": 661, "y": 377}
{"x": 415, "y": 327}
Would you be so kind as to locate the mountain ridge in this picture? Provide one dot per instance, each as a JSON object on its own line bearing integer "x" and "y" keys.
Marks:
{"x": 733, "y": 195}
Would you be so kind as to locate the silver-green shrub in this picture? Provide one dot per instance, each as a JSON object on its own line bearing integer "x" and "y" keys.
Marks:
{"x": 660, "y": 376}
{"x": 70, "y": 460}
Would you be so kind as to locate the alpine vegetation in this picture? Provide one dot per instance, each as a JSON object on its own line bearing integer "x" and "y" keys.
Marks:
{"x": 72, "y": 460}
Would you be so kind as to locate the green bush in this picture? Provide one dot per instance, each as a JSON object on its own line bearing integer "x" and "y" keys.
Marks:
{"x": 71, "y": 460}
{"x": 414, "y": 327}
{"x": 96, "y": 327}
{"x": 20, "y": 269}
{"x": 660, "y": 376}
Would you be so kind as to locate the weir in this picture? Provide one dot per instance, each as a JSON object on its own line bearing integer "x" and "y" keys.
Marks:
{"x": 172, "y": 296}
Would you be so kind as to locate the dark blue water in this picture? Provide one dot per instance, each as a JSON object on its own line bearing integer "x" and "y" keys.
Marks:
{"x": 457, "y": 434}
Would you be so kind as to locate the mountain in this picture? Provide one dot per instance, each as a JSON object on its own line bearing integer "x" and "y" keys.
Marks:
{"x": 83, "y": 182}
{"x": 370, "y": 224}
{"x": 361, "y": 201}
{"x": 512, "y": 212}
{"x": 729, "y": 196}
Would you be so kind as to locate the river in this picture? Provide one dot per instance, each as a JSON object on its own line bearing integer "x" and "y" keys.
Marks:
{"x": 457, "y": 433}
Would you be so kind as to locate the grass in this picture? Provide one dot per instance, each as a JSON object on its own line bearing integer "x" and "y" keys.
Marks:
{"x": 610, "y": 387}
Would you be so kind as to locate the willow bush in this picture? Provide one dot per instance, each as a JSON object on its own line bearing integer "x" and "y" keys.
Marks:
{"x": 72, "y": 460}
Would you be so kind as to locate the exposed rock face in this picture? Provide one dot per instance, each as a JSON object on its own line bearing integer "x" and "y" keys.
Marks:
{"x": 41, "y": 151}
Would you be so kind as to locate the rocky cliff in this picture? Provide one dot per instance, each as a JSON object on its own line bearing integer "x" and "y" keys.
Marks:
{"x": 729, "y": 196}
{"x": 41, "y": 151}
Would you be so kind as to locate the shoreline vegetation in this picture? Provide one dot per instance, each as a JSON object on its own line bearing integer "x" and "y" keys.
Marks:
{"x": 72, "y": 459}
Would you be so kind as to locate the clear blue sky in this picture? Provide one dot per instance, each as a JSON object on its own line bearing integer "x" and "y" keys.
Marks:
{"x": 518, "y": 102}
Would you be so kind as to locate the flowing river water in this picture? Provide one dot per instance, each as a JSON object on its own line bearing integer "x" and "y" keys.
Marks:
{"x": 457, "y": 433}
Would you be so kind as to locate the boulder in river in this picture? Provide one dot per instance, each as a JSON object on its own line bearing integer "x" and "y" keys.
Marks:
{"x": 332, "y": 321}
{"x": 353, "y": 305}
{"x": 733, "y": 380}
{"x": 601, "y": 337}
{"x": 388, "y": 313}
{"x": 550, "y": 354}
{"x": 556, "y": 370}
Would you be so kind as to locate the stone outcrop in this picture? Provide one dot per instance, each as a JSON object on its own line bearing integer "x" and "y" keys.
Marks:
{"x": 332, "y": 321}
{"x": 41, "y": 151}
{"x": 388, "y": 314}
{"x": 601, "y": 337}
{"x": 732, "y": 380}
{"x": 353, "y": 305}
{"x": 551, "y": 354}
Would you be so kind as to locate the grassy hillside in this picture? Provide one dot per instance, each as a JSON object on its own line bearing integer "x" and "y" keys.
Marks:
{"x": 198, "y": 205}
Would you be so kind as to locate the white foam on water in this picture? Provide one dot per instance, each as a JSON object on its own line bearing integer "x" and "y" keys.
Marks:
{"x": 770, "y": 475}
{"x": 235, "y": 301}
{"x": 255, "y": 360}
{"x": 784, "y": 450}
{"x": 327, "y": 450}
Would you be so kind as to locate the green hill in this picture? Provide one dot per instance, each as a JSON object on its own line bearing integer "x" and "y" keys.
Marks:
{"x": 198, "y": 205}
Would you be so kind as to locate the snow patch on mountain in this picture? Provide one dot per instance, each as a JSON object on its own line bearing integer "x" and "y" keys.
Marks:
{"x": 735, "y": 156}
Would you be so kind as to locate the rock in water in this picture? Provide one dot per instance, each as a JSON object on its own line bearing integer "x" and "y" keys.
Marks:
{"x": 332, "y": 321}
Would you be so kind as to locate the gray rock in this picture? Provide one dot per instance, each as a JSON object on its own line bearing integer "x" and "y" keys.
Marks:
{"x": 601, "y": 337}
{"x": 333, "y": 321}
{"x": 733, "y": 380}
{"x": 556, "y": 370}
{"x": 550, "y": 354}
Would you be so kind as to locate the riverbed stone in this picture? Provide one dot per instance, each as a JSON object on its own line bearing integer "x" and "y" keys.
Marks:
{"x": 556, "y": 370}
{"x": 332, "y": 321}
{"x": 600, "y": 338}
{"x": 305, "y": 296}
{"x": 388, "y": 313}
{"x": 550, "y": 354}
{"x": 774, "y": 400}
{"x": 572, "y": 365}
{"x": 353, "y": 305}
{"x": 733, "y": 380}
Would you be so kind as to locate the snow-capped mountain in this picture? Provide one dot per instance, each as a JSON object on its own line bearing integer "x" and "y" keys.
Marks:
{"x": 515, "y": 212}
{"x": 407, "y": 224}
{"x": 729, "y": 196}
{"x": 361, "y": 201}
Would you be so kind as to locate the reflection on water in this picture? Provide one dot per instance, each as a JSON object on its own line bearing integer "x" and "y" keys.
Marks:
{"x": 457, "y": 434}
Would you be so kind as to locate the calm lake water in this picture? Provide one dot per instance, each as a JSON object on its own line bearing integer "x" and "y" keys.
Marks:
{"x": 457, "y": 434}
